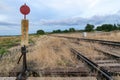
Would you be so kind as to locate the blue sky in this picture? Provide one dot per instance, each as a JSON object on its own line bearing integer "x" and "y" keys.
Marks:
{"x": 57, "y": 14}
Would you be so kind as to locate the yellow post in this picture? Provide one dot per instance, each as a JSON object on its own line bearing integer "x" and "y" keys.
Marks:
{"x": 24, "y": 32}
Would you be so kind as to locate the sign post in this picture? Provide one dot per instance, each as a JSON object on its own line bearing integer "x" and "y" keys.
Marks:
{"x": 24, "y": 9}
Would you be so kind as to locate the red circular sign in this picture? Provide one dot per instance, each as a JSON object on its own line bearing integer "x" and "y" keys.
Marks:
{"x": 24, "y": 9}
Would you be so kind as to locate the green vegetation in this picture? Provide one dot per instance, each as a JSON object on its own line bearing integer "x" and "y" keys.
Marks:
{"x": 3, "y": 50}
{"x": 57, "y": 31}
{"x": 108, "y": 27}
{"x": 72, "y": 30}
{"x": 64, "y": 31}
{"x": 41, "y": 32}
{"x": 89, "y": 28}
{"x": 31, "y": 40}
{"x": 8, "y": 42}
{"x": 104, "y": 27}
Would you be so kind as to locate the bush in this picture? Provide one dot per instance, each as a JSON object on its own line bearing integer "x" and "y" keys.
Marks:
{"x": 40, "y": 32}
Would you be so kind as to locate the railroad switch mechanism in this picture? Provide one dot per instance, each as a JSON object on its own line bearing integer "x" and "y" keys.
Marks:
{"x": 24, "y": 9}
{"x": 23, "y": 74}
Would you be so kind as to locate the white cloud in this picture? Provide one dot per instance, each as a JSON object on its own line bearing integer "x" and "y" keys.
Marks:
{"x": 96, "y": 20}
{"x": 4, "y": 28}
{"x": 4, "y": 6}
{"x": 93, "y": 3}
{"x": 63, "y": 5}
{"x": 3, "y": 17}
{"x": 82, "y": 8}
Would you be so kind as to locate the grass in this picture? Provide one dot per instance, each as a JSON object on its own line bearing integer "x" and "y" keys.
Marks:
{"x": 3, "y": 50}
{"x": 9, "y": 61}
{"x": 8, "y": 42}
{"x": 48, "y": 52}
{"x": 87, "y": 49}
{"x": 51, "y": 52}
{"x": 111, "y": 36}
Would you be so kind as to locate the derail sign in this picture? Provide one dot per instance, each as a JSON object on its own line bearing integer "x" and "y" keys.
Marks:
{"x": 25, "y": 10}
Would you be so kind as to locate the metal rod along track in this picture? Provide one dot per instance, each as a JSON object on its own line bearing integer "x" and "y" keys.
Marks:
{"x": 113, "y": 43}
{"x": 92, "y": 64}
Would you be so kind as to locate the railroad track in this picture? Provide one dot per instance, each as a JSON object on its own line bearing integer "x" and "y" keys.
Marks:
{"x": 102, "y": 72}
{"x": 116, "y": 56}
{"x": 105, "y": 75}
{"x": 105, "y": 42}
{"x": 112, "y": 64}
{"x": 81, "y": 71}
{"x": 112, "y": 43}
{"x": 61, "y": 72}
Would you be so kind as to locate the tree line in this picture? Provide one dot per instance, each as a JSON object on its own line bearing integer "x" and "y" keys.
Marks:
{"x": 88, "y": 28}
{"x": 57, "y": 31}
{"x": 104, "y": 27}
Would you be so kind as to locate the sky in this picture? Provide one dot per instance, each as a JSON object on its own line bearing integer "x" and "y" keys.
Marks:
{"x": 50, "y": 15}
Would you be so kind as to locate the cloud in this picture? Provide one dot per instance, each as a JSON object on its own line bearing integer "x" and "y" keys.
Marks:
{"x": 8, "y": 24}
{"x": 3, "y": 17}
{"x": 94, "y": 3}
{"x": 96, "y": 20}
{"x": 7, "y": 28}
{"x": 4, "y": 7}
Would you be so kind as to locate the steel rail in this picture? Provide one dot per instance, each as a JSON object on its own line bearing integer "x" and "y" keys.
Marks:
{"x": 108, "y": 53}
{"x": 113, "y": 43}
{"x": 81, "y": 71}
{"x": 92, "y": 64}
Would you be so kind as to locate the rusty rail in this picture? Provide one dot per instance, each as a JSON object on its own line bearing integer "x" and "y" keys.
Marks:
{"x": 101, "y": 70}
{"x": 105, "y": 42}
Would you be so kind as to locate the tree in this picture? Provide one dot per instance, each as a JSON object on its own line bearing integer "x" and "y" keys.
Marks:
{"x": 40, "y": 32}
{"x": 107, "y": 27}
{"x": 57, "y": 31}
{"x": 115, "y": 27}
{"x": 99, "y": 28}
{"x": 89, "y": 28}
{"x": 66, "y": 31}
{"x": 71, "y": 30}
{"x": 118, "y": 26}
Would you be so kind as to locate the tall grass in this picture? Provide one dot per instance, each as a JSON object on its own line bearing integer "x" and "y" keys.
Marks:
{"x": 111, "y": 36}
{"x": 51, "y": 52}
{"x": 8, "y": 62}
{"x": 8, "y": 42}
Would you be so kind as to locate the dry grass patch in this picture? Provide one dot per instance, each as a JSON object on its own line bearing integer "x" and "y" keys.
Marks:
{"x": 51, "y": 52}
{"x": 8, "y": 61}
{"x": 111, "y": 36}
{"x": 88, "y": 50}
